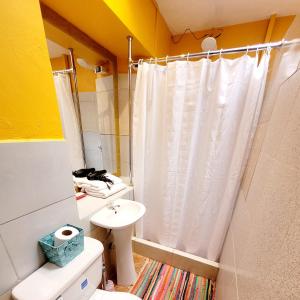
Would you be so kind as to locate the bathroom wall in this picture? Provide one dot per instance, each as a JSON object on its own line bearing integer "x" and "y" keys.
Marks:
{"x": 36, "y": 190}
{"x": 23, "y": 53}
{"x": 99, "y": 127}
{"x": 260, "y": 257}
{"x": 124, "y": 121}
{"x": 234, "y": 36}
{"x": 151, "y": 34}
{"x": 98, "y": 122}
{"x": 97, "y": 115}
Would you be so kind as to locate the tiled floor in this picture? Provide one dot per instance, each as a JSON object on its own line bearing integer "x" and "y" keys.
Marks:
{"x": 139, "y": 261}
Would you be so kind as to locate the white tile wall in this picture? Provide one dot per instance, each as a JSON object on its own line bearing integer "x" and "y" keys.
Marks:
{"x": 124, "y": 148}
{"x": 36, "y": 197}
{"x": 33, "y": 175}
{"x": 104, "y": 83}
{"x": 124, "y": 151}
{"x": 21, "y": 235}
{"x": 106, "y": 115}
{"x": 265, "y": 228}
{"x": 109, "y": 152}
{"x": 92, "y": 140}
{"x": 8, "y": 276}
{"x": 88, "y": 109}
{"x": 123, "y": 102}
{"x": 124, "y": 121}
{"x": 94, "y": 159}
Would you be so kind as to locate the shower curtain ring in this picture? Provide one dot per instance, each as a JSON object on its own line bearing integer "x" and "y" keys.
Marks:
{"x": 155, "y": 60}
{"x": 188, "y": 56}
{"x": 220, "y": 56}
{"x": 247, "y": 50}
{"x": 140, "y": 61}
{"x": 207, "y": 56}
{"x": 167, "y": 59}
{"x": 150, "y": 62}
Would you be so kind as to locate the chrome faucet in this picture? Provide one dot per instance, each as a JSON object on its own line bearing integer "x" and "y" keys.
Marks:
{"x": 113, "y": 206}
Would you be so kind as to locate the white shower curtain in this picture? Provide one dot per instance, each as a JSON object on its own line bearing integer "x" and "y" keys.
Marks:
{"x": 69, "y": 120}
{"x": 193, "y": 123}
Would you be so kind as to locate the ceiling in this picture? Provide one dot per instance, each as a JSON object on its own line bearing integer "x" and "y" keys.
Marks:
{"x": 55, "y": 50}
{"x": 206, "y": 14}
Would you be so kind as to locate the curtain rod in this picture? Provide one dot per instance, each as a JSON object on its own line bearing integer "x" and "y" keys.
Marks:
{"x": 65, "y": 71}
{"x": 252, "y": 48}
{"x": 75, "y": 96}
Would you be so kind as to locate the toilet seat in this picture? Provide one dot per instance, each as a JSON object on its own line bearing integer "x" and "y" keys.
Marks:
{"x": 106, "y": 295}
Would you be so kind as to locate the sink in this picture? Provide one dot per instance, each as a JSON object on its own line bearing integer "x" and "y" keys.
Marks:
{"x": 120, "y": 216}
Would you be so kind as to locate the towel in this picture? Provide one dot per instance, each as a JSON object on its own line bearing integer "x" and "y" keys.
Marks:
{"x": 104, "y": 193}
{"x": 83, "y": 182}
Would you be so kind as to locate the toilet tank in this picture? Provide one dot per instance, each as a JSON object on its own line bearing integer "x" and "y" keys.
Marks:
{"x": 77, "y": 280}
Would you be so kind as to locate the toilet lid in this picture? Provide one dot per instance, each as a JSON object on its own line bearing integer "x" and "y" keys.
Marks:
{"x": 106, "y": 295}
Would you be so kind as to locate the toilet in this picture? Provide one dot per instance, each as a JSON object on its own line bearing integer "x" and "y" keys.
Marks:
{"x": 78, "y": 280}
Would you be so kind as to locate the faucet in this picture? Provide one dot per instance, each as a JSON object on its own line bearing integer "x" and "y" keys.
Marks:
{"x": 113, "y": 206}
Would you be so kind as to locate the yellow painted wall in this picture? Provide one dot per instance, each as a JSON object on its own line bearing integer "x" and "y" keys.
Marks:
{"x": 109, "y": 22}
{"x": 98, "y": 21}
{"x": 143, "y": 19}
{"x": 29, "y": 107}
{"x": 86, "y": 78}
{"x": 235, "y": 35}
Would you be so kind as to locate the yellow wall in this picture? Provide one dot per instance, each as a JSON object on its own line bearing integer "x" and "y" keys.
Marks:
{"x": 86, "y": 78}
{"x": 144, "y": 21}
{"x": 235, "y": 35}
{"x": 109, "y": 22}
{"x": 29, "y": 107}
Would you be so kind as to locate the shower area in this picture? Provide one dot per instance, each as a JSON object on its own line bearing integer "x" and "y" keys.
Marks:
{"x": 193, "y": 121}
{"x": 179, "y": 129}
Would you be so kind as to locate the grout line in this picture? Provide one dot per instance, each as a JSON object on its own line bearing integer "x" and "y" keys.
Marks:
{"x": 9, "y": 256}
{"x": 36, "y": 210}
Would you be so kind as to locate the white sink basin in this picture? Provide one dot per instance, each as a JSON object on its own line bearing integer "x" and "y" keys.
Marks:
{"x": 120, "y": 217}
{"x": 121, "y": 214}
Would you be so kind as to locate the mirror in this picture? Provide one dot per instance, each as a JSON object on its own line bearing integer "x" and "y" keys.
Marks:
{"x": 94, "y": 125}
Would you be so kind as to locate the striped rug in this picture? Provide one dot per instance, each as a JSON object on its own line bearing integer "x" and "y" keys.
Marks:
{"x": 158, "y": 281}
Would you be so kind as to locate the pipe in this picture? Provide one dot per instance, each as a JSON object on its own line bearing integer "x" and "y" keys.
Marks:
{"x": 130, "y": 38}
{"x": 76, "y": 103}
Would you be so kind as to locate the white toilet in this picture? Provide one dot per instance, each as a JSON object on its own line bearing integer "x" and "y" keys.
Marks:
{"x": 78, "y": 280}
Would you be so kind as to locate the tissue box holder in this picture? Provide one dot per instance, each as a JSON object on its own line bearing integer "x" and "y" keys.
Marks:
{"x": 64, "y": 253}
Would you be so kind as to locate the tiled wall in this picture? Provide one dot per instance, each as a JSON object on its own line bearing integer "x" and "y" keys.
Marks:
{"x": 124, "y": 121}
{"x": 36, "y": 197}
{"x": 97, "y": 110}
{"x": 260, "y": 257}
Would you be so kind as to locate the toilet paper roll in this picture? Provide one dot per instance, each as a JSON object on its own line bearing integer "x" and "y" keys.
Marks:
{"x": 64, "y": 234}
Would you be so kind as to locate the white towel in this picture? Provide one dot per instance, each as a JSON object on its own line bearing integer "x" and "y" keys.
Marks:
{"x": 113, "y": 178}
{"x": 98, "y": 185}
{"x": 104, "y": 193}
{"x": 83, "y": 182}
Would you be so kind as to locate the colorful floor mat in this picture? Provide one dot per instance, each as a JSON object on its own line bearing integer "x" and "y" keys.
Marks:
{"x": 158, "y": 281}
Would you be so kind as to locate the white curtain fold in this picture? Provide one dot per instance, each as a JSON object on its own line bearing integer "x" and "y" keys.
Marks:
{"x": 69, "y": 120}
{"x": 193, "y": 123}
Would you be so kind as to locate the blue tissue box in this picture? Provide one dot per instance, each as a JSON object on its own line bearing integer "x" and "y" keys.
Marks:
{"x": 65, "y": 252}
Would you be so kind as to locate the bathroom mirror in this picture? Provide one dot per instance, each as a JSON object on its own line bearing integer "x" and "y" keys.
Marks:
{"x": 87, "y": 92}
